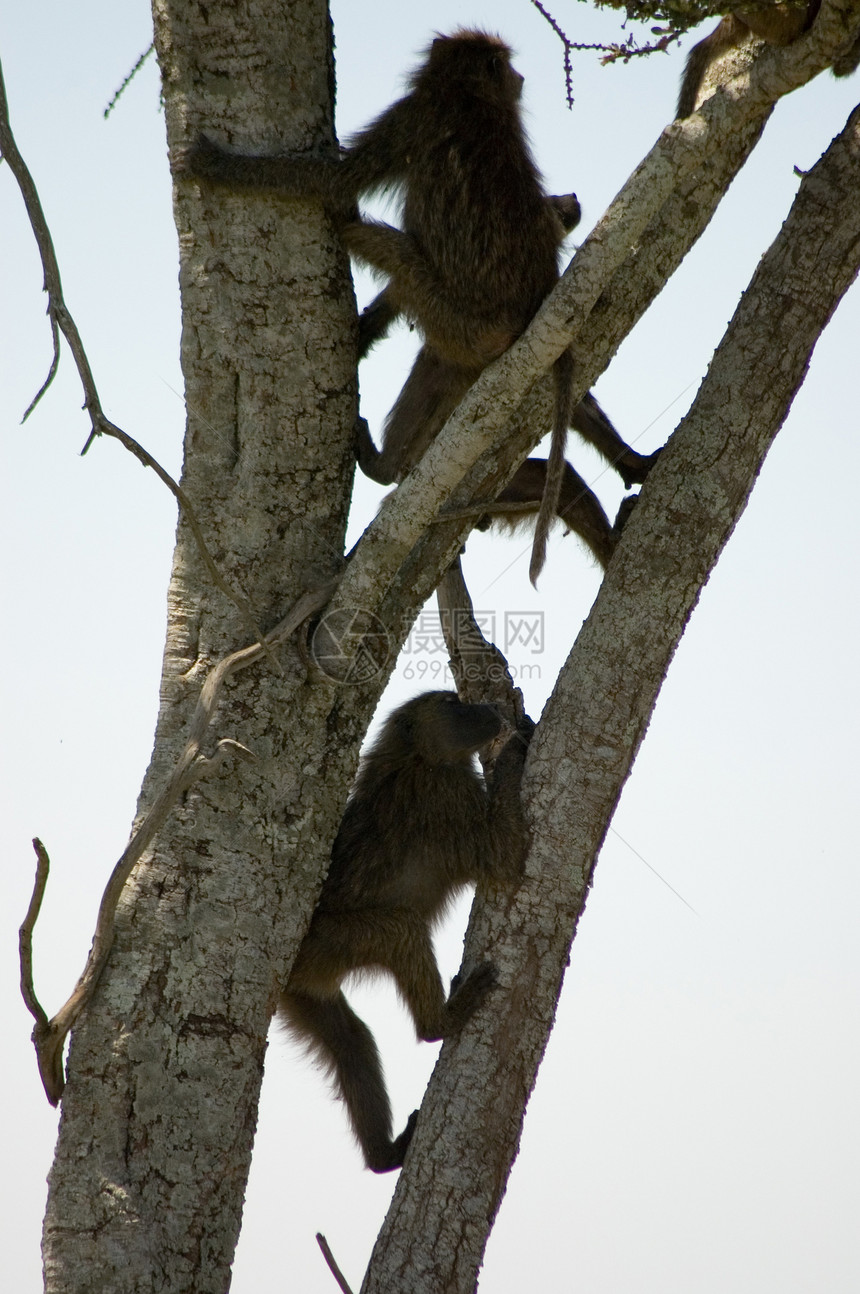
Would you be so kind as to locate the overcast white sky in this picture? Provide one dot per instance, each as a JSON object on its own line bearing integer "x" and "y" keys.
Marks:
{"x": 695, "y": 1126}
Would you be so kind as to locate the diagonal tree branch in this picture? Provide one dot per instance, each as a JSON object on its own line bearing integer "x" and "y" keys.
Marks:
{"x": 644, "y": 235}
{"x": 601, "y": 704}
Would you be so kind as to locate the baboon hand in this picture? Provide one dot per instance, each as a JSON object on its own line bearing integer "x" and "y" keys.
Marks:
{"x": 467, "y": 994}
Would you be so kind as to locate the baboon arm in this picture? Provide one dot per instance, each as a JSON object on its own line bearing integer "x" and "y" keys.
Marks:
{"x": 294, "y": 176}
{"x": 374, "y": 162}
{"x": 377, "y": 157}
{"x": 375, "y": 321}
{"x": 507, "y": 830}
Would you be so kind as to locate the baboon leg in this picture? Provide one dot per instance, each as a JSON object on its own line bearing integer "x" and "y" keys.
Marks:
{"x": 346, "y": 1048}
{"x": 578, "y": 507}
{"x": 595, "y": 427}
{"x": 410, "y": 958}
{"x": 430, "y": 395}
{"x": 372, "y": 461}
{"x": 377, "y": 317}
{"x": 394, "y": 940}
{"x": 471, "y": 338}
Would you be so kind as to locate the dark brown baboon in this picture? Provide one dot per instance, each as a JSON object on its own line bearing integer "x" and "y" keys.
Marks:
{"x": 433, "y": 390}
{"x": 478, "y": 250}
{"x": 377, "y": 317}
{"x": 778, "y": 24}
{"x": 419, "y": 825}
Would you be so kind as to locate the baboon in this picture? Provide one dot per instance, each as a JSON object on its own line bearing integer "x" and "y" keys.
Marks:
{"x": 432, "y": 392}
{"x": 419, "y": 825}
{"x": 377, "y": 317}
{"x": 778, "y": 24}
{"x": 478, "y": 250}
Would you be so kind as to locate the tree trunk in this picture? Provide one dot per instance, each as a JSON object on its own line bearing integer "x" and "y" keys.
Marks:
{"x": 165, "y": 1066}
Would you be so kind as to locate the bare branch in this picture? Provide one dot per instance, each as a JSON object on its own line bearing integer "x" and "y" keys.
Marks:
{"x": 333, "y": 1267}
{"x": 49, "y": 1036}
{"x": 62, "y": 321}
{"x": 103, "y": 424}
{"x": 25, "y": 935}
{"x": 480, "y": 670}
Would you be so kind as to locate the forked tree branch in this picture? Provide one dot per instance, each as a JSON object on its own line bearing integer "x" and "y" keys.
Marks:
{"x": 663, "y": 208}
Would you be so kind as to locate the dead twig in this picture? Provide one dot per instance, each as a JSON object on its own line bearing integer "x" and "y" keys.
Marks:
{"x": 49, "y": 1035}
{"x": 333, "y": 1267}
{"x": 62, "y": 322}
{"x": 25, "y": 935}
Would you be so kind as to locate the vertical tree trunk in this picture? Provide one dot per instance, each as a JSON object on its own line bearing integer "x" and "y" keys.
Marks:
{"x": 164, "y": 1070}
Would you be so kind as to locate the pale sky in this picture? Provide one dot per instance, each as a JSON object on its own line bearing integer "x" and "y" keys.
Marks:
{"x": 695, "y": 1127}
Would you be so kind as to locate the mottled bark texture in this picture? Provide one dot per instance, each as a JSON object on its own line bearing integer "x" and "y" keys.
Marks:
{"x": 165, "y": 1066}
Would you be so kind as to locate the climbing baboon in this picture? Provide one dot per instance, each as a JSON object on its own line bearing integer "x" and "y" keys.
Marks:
{"x": 419, "y": 825}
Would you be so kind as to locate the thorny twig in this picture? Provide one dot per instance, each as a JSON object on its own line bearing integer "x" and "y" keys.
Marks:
{"x": 568, "y": 46}
{"x": 62, "y": 322}
{"x": 128, "y": 78}
{"x": 49, "y": 1035}
{"x": 627, "y": 49}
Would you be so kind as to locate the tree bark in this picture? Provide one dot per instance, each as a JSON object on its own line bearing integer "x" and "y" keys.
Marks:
{"x": 165, "y": 1066}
